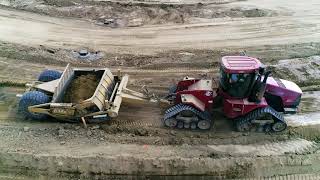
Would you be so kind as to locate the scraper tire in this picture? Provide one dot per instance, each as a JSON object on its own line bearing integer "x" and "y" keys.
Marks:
{"x": 49, "y": 75}
{"x": 32, "y": 98}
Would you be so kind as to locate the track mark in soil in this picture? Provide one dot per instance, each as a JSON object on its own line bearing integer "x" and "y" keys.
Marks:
{"x": 142, "y": 117}
{"x": 298, "y": 146}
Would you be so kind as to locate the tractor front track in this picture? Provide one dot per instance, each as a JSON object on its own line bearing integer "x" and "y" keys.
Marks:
{"x": 175, "y": 117}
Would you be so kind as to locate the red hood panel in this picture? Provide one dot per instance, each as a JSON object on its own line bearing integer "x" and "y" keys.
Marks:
{"x": 287, "y": 90}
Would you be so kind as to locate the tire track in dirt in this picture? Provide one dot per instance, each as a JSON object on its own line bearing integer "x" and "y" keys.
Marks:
{"x": 287, "y": 177}
{"x": 297, "y": 146}
{"x": 143, "y": 116}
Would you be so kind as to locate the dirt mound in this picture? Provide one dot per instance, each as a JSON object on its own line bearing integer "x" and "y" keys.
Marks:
{"x": 303, "y": 71}
{"x": 81, "y": 88}
{"x": 124, "y": 14}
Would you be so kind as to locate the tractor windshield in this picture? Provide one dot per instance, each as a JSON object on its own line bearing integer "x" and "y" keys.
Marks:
{"x": 236, "y": 84}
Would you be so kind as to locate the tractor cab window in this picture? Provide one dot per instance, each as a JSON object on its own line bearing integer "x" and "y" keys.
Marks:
{"x": 237, "y": 84}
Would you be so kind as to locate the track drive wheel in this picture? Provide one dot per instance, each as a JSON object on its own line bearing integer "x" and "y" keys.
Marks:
{"x": 193, "y": 125}
{"x": 279, "y": 126}
{"x": 204, "y": 124}
{"x": 171, "y": 122}
{"x": 180, "y": 125}
{"x": 243, "y": 125}
{"x": 186, "y": 125}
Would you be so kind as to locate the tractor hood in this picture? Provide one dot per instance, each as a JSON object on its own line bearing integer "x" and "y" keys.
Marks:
{"x": 289, "y": 92}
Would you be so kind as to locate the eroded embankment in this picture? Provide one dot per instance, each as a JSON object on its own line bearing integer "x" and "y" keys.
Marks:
{"x": 123, "y": 14}
{"x": 86, "y": 162}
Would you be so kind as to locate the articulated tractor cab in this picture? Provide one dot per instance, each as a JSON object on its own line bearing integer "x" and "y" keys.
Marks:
{"x": 250, "y": 97}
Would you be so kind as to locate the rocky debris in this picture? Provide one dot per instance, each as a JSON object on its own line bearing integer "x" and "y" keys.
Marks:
{"x": 95, "y": 127}
{"x": 84, "y": 54}
{"x": 61, "y": 132}
{"x": 113, "y": 22}
{"x": 49, "y": 50}
{"x": 141, "y": 132}
{"x": 127, "y": 14}
{"x": 301, "y": 70}
{"x": 26, "y": 129}
{"x": 172, "y": 132}
{"x": 89, "y": 133}
{"x": 297, "y": 146}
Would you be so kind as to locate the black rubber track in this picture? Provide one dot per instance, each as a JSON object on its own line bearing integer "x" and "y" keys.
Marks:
{"x": 174, "y": 110}
{"x": 257, "y": 113}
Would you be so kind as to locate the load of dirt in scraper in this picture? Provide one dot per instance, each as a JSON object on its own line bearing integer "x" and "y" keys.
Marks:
{"x": 81, "y": 88}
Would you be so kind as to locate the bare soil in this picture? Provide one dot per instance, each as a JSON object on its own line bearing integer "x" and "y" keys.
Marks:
{"x": 124, "y": 14}
{"x": 218, "y": 33}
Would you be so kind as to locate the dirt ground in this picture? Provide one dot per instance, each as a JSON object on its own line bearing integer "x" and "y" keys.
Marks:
{"x": 157, "y": 43}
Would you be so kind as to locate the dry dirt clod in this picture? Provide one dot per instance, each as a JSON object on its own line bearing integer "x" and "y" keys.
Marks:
{"x": 89, "y": 133}
{"x": 62, "y": 142}
{"x": 172, "y": 132}
{"x": 95, "y": 127}
{"x": 245, "y": 134}
{"x": 61, "y": 132}
{"x": 26, "y": 129}
{"x": 141, "y": 132}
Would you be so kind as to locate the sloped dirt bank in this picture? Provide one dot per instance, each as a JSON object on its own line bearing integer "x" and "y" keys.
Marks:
{"x": 153, "y": 162}
{"x": 123, "y": 14}
{"x": 303, "y": 71}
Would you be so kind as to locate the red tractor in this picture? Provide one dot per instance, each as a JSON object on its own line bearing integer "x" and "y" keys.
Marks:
{"x": 246, "y": 94}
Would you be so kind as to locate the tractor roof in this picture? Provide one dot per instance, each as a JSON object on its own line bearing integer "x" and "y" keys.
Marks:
{"x": 240, "y": 64}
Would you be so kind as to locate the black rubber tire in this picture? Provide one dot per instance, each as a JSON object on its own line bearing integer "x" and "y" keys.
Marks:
{"x": 180, "y": 125}
{"x": 49, "y": 75}
{"x": 32, "y": 98}
{"x": 186, "y": 125}
{"x": 204, "y": 125}
{"x": 171, "y": 122}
